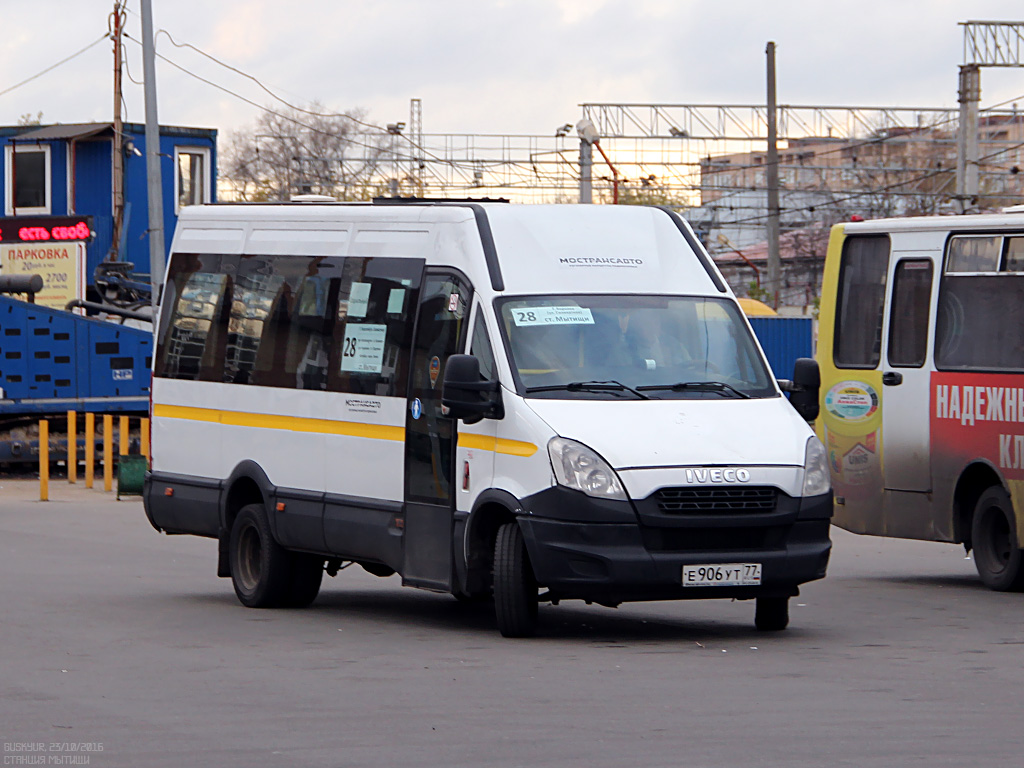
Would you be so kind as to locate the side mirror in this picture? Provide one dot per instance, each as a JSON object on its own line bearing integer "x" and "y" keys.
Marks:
{"x": 466, "y": 395}
{"x": 804, "y": 388}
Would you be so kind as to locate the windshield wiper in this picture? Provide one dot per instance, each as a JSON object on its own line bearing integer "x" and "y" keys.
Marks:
{"x": 698, "y": 386}
{"x": 590, "y": 386}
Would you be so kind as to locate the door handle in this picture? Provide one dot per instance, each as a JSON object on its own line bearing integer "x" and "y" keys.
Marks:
{"x": 892, "y": 378}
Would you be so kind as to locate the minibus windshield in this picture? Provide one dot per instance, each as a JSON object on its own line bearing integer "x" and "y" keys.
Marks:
{"x": 632, "y": 347}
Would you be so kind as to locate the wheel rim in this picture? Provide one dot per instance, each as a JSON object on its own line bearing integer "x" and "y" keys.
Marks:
{"x": 249, "y": 550}
{"x": 997, "y": 538}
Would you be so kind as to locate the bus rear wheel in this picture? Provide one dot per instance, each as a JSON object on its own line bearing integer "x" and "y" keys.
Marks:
{"x": 1000, "y": 562}
{"x": 261, "y": 569}
{"x": 515, "y": 590}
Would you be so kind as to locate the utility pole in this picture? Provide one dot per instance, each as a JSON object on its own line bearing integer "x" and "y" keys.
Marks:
{"x": 588, "y": 137}
{"x": 967, "y": 137}
{"x": 115, "y": 242}
{"x": 156, "y": 198}
{"x": 772, "y": 179}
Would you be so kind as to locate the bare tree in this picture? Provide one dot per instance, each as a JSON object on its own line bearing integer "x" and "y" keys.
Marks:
{"x": 293, "y": 151}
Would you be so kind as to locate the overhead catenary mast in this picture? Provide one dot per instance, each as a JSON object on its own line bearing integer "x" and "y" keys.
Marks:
{"x": 156, "y": 199}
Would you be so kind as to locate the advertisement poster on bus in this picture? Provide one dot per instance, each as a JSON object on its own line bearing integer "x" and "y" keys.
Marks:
{"x": 978, "y": 416}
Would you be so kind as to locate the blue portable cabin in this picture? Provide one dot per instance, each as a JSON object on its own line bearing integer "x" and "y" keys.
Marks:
{"x": 55, "y": 178}
{"x": 67, "y": 169}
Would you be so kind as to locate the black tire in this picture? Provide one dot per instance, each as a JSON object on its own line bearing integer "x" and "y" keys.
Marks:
{"x": 261, "y": 569}
{"x": 771, "y": 614}
{"x": 1000, "y": 562}
{"x": 515, "y": 590}
{"x": 307, "y": 575}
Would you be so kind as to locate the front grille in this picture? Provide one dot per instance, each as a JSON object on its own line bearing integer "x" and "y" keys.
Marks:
{"x": 718, "y": 499}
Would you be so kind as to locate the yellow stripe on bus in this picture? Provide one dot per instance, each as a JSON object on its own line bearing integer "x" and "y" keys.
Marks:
{"x": 496, "y": 444}
{"x": 272, "y": 421}
{"x": 329, "y": 427}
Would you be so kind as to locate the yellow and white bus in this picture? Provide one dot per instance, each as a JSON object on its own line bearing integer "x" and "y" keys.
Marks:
{"x": 921, "y": 352}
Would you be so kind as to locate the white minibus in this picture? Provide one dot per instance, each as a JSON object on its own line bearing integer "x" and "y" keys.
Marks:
{"x": 921, "y": 348}
{"x": 519, "y": 403}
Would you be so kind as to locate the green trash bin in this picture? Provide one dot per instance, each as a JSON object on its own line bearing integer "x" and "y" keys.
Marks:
{"x": 131, "y": 472}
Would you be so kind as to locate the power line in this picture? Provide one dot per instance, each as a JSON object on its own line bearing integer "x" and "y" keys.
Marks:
{"x": 54, "y": 66}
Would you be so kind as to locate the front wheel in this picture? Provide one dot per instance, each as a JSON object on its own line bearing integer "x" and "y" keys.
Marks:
{"x": 515, "y": 590}
{"x": 1000, "y": 562}
{"x": 771, "y": 614}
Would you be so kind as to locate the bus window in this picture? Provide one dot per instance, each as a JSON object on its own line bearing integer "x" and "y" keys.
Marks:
{"x": 255, "y": 296}
{"x": 191, "y": 331}
{"x": 861, "y": 301}
{"x": 974, "y": 253}
{"x": 1013, "y": 260}
{"x": 980, "y": 322}
{"x": 908, "y": 316}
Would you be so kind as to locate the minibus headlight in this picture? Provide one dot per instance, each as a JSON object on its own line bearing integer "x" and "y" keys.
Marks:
{"x": 816, "y": 479}
{"x": 578, "y": 467}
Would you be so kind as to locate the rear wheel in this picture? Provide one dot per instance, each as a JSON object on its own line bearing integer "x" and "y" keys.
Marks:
{"x": 999, "y": 560}
{"x": 260, "y": 567}
{"x": 771, "y": 614}
{"x": 515, "y": 590}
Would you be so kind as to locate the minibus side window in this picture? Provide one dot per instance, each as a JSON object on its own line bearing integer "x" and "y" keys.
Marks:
{"x": 909, "y": 313}
{"x": 194, "y": 325}
{"x": 860, "y": 302}
{"x": 373, "y": 333}
{"x": 255, "y": 299}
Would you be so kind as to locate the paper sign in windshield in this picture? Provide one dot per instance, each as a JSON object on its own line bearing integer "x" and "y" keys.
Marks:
{"x": 396, "y": 301}
{"x": 526, "y": 316}
{"x": 362, "y": 350}
{"x": 358, "y": 299}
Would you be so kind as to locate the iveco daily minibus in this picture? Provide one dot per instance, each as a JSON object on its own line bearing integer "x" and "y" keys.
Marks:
{"x": 517, "y": 403}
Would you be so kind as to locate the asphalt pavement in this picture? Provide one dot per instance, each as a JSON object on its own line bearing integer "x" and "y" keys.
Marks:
{"x": 119, "y": 646}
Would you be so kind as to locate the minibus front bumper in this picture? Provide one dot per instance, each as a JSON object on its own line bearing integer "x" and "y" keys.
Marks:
{"x": 618, "y": 561}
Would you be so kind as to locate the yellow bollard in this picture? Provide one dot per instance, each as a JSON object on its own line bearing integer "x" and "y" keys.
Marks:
{"x": 144, "y": 437}
{"x": 44, "y": 460}
{"x": 108, "y": 452}
{"x": 122, "y": 436}
{"x": 72, "y": 447}
{"x": 90, "y": 448}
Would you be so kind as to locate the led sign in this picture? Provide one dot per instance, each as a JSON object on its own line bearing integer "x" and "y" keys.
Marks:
{"x": 35, "y": 229}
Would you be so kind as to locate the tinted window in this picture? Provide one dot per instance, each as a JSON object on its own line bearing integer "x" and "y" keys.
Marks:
{"x": 908, "y": 318}
{"x": 861, "y": 301}
{"x": 193, "y": 319}
{"x": 297, "y": 322}
{"x": 980, "y": 318}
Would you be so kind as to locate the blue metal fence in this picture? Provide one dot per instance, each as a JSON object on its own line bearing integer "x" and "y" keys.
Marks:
{"x": 784, "y": 339}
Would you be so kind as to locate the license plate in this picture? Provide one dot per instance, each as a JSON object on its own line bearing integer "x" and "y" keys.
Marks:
{"x": 722, "y": 575}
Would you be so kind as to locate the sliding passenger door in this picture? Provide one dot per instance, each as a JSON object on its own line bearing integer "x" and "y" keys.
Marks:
{"x": 430, "y": 435}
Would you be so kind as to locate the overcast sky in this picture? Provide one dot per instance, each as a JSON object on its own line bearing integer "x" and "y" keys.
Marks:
{"x": 494, "y": 66}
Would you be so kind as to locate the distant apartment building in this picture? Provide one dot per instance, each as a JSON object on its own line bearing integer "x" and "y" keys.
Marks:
{"x": 896, "y": 171}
